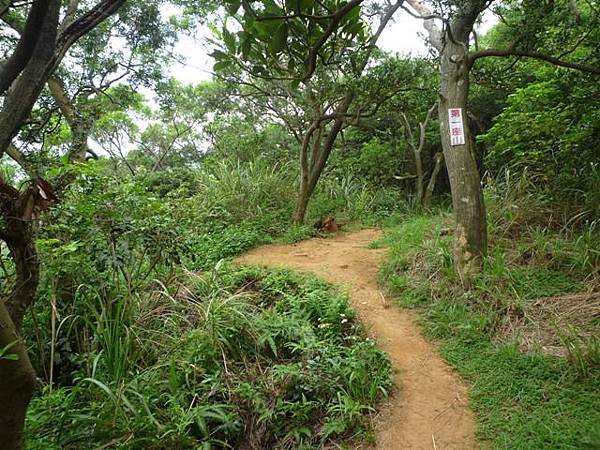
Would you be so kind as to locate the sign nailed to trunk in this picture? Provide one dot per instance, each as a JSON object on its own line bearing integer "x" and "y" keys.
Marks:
{"x": 455, "y": 126}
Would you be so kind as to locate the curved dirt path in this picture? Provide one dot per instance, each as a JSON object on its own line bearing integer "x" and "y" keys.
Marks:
{"x": 429, "y": 410}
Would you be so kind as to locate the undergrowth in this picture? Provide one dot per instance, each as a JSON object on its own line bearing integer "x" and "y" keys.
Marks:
{"x": 244, "y": 360}
{"x": 525, "y": 335}
{"x": 236, "y": 358}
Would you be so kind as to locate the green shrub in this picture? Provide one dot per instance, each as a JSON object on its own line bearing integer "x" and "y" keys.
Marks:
{"x": 543, "y": 134}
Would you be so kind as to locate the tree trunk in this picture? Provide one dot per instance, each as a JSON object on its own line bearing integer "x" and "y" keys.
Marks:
{"x": 302, "y": 203}
{"x": 418, "y": 151}
{"x": 26, "y": 46}
{"x": 17, "y": 381}
{"x": 24, "y": 256}
{"x": 17, "y": 376}
{"x": 27, "y": 78}
{"x": 304, "y": 191}
{"x": 26, "y": 88}
{"x": 311, "y": 170}
{"x": 467, "y": 196}
{"x": 452, "y": 42}
{"x": 420, "y": 179}
{"x": 80, "y": 130}
{"x": 439, "y": 158}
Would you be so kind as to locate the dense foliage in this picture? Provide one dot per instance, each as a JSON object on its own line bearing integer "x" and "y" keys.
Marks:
{"x": 548, "y": 132}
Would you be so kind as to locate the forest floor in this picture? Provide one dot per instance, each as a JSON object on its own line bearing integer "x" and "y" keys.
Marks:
{"x": 429, "y": 409}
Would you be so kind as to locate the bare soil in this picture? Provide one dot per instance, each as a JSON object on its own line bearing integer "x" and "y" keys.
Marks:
{"x": 429, "y": 410}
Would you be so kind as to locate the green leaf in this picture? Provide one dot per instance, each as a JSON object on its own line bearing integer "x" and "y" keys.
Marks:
{"x": 229, "y": 40}
{"x": 233, "y": 6}
{"x": 218, "y": 55}
{"x": 245, "y": 47}
{"x": 279, "y": 38}
{"x": 354, "y": 28}
{"x": 265, "y": 30}
{"x": 351, "y": 16}
{"x": 9, "y": 356}
{"x": 221, "y": 65}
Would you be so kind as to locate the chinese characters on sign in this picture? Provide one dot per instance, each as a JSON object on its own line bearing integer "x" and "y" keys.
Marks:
{"x": 457, "y": 132}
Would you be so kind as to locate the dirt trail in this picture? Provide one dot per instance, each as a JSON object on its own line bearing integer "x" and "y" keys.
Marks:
{"x": 429, "y": 410}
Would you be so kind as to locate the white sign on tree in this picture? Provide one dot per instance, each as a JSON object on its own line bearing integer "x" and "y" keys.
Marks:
{"x": 456, "y": 128}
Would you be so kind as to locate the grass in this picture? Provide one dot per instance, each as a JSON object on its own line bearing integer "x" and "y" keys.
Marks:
{"x": 524, "y": 397}
{"x": 246, "y": 359}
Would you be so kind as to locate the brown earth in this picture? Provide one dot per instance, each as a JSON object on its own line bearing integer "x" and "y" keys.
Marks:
{"x": 430, "y": 409}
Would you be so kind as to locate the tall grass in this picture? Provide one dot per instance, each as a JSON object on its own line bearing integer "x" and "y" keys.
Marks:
{"x": 237, "y": 358}
{"x": 354, "y": 200}
{"x": 245, "y": 191}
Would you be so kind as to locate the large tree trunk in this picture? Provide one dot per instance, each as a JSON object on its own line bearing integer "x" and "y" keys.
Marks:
{"x": 17, "y": 380}
{"x": 25, "y": 49}
{"x": 27, "y": 87}
{"x": 467, "y": 196}
{"x": 17, "y": 376}
{"x": 452, "y": 42}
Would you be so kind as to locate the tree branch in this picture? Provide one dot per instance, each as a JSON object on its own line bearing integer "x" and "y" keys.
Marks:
{"x": 491, "y": 52}
{"x": 31, "y": 32}
{"x": 70, "y": 14}
{"x": 17, "y": 156}
{"x": 19, "y": 101}
{"x": 84, "y": 24}
{"x": 435, "y": 34}
{"x": 62, "y": 100}
{"x": 311, "y": 60}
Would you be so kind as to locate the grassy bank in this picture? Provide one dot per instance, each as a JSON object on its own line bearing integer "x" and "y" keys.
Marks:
{"x": 525, "y": 335}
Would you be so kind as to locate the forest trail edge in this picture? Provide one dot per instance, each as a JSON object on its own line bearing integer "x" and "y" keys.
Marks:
{"x": 429, "y": 409}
